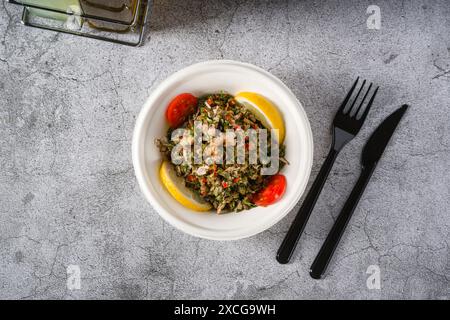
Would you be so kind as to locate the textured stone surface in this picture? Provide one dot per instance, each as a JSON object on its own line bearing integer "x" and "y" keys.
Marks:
{"x": 68, "y": 193}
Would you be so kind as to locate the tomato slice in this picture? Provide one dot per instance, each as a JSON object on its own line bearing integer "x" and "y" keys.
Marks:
{"x": 273, "y": 191}
{"x": 180, "y": 108}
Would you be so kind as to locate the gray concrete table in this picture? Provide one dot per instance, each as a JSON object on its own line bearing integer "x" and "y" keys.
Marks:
{"x": 68, "y": 195}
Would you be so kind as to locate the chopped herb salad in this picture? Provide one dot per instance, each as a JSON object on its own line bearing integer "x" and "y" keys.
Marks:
{"x": 227, "y": 187}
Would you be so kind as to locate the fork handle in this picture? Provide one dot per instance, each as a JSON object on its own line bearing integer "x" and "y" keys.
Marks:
{"x": 325, "y": 254}
{"x": 295, "y": 231}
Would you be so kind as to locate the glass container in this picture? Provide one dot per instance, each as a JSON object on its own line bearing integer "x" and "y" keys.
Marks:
{"x": 118, "y": 21}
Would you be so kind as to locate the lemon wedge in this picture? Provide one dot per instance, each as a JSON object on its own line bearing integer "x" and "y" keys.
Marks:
{"x": 176, "y": 187}
{"x": 264, "y": 110}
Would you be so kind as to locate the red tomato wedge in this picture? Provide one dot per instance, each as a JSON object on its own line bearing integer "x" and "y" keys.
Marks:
{"x": 273, "y": 191}
{"x": 180, "y": 108}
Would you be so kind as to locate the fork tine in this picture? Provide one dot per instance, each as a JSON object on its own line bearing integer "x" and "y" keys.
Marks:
{"x": 366, "y": 111}
{"x": 349, "y": 94}
{"x": 356, "y": 98}
{"x": 362, "y": 101}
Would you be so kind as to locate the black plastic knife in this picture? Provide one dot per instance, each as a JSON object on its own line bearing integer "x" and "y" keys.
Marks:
{"x": 371, "y": 153}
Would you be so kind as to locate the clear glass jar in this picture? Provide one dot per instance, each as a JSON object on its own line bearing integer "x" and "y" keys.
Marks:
{"x": 117, "y": 21}
{"x": 70, "y": 6}
{"x": 123, "y": 11}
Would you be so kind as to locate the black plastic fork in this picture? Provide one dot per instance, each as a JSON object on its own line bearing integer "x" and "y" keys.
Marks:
{"x": 346, "y": 125}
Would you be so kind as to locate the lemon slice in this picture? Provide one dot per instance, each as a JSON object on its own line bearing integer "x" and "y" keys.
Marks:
{"x": 264, "y": 111}
{"x": 176, "y": 187}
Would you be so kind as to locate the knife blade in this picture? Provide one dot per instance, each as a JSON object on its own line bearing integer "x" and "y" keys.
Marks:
{"x": 371, "y": 154}
{"x": 375, "y": 146}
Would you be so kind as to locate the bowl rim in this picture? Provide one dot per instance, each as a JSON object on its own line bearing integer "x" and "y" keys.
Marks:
{"x": 139, "y": 133}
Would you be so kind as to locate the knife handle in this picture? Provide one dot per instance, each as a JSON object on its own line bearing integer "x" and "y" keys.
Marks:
{"x": 290, "y": 241}
{"x": 325, "y": 254}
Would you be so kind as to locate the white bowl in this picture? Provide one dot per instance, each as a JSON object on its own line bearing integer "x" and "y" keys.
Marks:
{"x": 232, "y": 77}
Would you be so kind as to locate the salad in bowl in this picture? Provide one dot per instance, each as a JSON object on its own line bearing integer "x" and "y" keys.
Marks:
{"x": 223, "y": 182}
{"x": 222, "y": 150}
